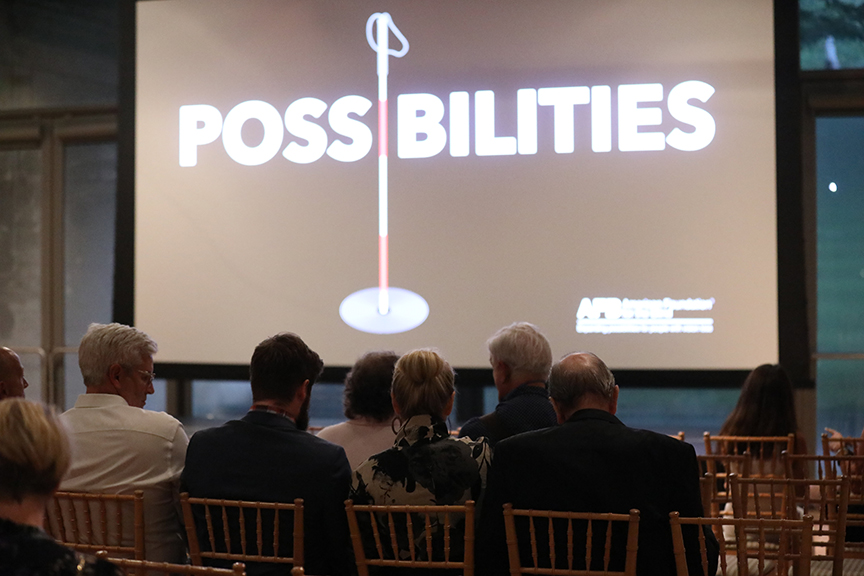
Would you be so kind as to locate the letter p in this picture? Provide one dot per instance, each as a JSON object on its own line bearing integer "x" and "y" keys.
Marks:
{"x": 192, "y": 135}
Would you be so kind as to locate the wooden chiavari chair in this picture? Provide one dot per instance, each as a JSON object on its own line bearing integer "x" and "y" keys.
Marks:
{"x": 718, "y": 498}
{"x": 581, "y": 546}
{"x": 412, "y": 536}
{"x": 789, "y": 548}
{"x": 764, "y": 451}
{"x": 825, "y": 500}
{"x": 241, "y": 531}
{"x": 169, "y": 569}
{"x": 92, "y": 522}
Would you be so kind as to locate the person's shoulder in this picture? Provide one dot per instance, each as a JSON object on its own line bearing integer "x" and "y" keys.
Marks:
{"x": 159, "y": 423}
{"x": 526, "y": 440}
{"x": 473, "y": 428}
{"x": 663, "y": 443}
{"x": 333, "y": 431}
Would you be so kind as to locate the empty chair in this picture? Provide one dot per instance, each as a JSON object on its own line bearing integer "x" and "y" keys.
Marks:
{"x": 826, "y": 501}
{"x": 717, "y": 495}
{"x": 780, "y": 545}
{"x": 411, "y": 537}
{"x": 92, "y": 522}
{"x": 238, "y": 531}
{"x": 571, "y": 543}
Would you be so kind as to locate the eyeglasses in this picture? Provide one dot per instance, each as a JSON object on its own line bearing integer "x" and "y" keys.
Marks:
{"x": 150, "y": 376}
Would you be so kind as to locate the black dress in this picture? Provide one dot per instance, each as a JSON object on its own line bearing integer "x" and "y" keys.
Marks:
{"x": 29, "y": 551}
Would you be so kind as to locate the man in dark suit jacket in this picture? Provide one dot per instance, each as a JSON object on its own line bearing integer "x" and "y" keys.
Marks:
{"x": 268, "y": 456}
{"x": 591, "y": 462}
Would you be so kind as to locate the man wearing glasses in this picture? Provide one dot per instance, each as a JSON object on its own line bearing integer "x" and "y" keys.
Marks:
{"x": 117, "y": 447}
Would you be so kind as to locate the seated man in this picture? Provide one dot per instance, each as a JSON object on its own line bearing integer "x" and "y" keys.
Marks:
{"x": 268, "y": 456}
{"x": 12, "y": 381}
{"x": 591, "y": 462}
{"x": 521, "y": 357}
{"x": 117, "y": 446}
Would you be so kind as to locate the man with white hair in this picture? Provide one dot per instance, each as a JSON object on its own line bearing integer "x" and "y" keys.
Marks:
{"x": 12, "y": 381}
{"x": 521, "y": 358}
{"x": 117, "y": 446}
{"x": 592, "y": 462}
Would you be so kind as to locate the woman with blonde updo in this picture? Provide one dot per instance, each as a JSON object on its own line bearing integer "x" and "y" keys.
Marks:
{"x": 34, "y": 456}
{"x": 425, "y": 465}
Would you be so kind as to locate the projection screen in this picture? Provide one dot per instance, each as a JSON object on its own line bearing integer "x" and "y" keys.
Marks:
{"x": 402, "y": 174}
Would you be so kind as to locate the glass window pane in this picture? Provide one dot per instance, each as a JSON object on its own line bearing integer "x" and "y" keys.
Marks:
{"x": 20, "y": 258}
{"x": 214, "y": 402}
{"x": 840, "y": 234}
{"x": 830, "y": 34}
{"x": 89, "y": 215}
{"x": 840, "y": 396}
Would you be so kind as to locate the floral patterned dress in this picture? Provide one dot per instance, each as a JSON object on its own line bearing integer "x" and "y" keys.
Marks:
{"x": 425, "y": 466}
{"x": 29, "y": 551}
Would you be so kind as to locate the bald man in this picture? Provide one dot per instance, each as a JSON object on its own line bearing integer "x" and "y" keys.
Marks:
{"x": 12, "y": 381}
{"x": 592, "y": 462}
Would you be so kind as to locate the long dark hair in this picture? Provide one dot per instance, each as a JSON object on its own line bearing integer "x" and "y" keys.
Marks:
{"x": 765, "y": 406}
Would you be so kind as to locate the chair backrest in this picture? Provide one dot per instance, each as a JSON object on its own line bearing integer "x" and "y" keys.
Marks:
{"x": 169, "y": 569}
{"x": 846, "y": 444}
{"x": 779, "y": 544}
{"x": 412, "y": 536}
{"x": 763, "y": 450}
{"x": 679, "y": 436}
{"x": 576, "y": 543}
{"x": 92, "y": 522}
{"x": 243, "y": 531}
{"x": 825, "y": 466}
{"x": 719, "y": 467}
{"x": 826, "y": 500}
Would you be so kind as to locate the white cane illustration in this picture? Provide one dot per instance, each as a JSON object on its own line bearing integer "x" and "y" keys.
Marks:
{"x": 385, "y": 309}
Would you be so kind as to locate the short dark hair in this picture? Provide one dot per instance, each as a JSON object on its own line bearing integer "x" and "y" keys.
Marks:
{"x": 367, "y": 387}
{"x": 280, "y": 365}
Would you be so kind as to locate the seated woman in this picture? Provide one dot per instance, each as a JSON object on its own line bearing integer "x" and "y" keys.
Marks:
{"x": 34, "y": 456}
{"x": 766, "y": 408}
{"x": 425, "y": 466}
{"x": 369, "y": 428}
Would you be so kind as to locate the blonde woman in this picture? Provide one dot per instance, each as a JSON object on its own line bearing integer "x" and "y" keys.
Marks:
{"x": 34, "y": 456}
{"x": 425, "y": 466}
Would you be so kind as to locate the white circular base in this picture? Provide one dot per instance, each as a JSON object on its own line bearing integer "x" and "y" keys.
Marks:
{"x": 407, "y": 311}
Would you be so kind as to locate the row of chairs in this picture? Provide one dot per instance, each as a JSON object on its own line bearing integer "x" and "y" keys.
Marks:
{"x": 595, "y": 531}
{"x": 762, "y": 478}
{"x": 99, "y": 516}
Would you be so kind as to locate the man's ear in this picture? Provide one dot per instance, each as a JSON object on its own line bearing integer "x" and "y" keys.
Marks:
{"x": 302, "y": 392}
{"x": 115, "y": 373}
{"x": 613, "y": 404}
{"x": 558, "y": 414}
{"x": 506, "y": 371}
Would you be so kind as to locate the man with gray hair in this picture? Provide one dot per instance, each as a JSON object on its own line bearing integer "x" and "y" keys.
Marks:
{"x": 591, "y": 462}
{"x": 521, "y": 357}
{"x": 117, "y": 446}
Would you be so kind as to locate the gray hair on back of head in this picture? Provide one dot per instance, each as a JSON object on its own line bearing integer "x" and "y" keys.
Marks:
{"x": 106, "y": 344}
{"x": 577, "y": 375}
{"x": 523, "y": 348}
